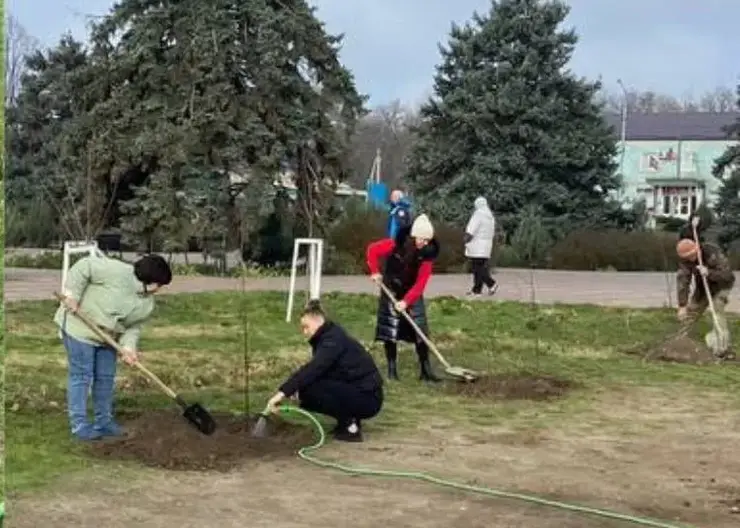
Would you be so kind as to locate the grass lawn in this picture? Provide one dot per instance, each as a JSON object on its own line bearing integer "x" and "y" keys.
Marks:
{"x": 197, "y": 344}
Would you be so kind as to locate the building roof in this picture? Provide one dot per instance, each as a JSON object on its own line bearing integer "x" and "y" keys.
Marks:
{"x": 675, "y": 125}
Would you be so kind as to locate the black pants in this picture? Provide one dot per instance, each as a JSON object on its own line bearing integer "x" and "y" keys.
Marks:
{"x": 391, "y": 350}
{"x": 481, "y": 274}
{"x": 340, "y": 400}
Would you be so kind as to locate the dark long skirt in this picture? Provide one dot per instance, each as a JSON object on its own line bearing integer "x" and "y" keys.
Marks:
{"x": 392, "y": 326}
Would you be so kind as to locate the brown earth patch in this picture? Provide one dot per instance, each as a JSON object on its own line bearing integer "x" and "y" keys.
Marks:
{"x": 166, "y": 440}
{"x": 513, "y": 387}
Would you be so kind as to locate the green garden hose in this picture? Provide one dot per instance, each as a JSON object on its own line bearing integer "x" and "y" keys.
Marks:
{"x": 304, "y": 453}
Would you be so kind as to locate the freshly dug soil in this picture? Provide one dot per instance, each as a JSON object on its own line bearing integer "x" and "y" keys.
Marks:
{"x": 682, "y": 349}
{"x": 167, "y": 440}
{"x": 678, "y": 349}
{"x": 512, "y": 387}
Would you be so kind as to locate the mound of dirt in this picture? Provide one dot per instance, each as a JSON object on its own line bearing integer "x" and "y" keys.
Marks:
{"x": 682, "y": 349}
{"x": 513, "y": 387}
{"x": 166, "y": 440}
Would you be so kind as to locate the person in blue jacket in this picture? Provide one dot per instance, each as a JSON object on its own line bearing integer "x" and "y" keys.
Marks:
{"x": 400, "y": 213}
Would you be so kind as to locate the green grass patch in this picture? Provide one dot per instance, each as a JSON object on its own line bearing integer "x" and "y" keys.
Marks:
{"x": 200, "y": 343}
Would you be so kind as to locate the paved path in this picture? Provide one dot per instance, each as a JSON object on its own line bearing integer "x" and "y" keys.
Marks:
{"x": 639, "y": 290}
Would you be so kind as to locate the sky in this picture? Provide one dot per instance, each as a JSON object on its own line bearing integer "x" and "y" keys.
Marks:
{"x": 679, "y": 47}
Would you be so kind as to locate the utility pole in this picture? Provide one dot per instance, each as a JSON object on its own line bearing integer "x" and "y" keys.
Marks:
{"x": 623, "y": 135}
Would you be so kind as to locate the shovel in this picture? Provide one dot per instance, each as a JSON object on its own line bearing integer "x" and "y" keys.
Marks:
{"x": 718, "y": 343}
{"x": 194, "y": 413}
{"x": 460, "y": 373}
{"x": 260, "y": 428}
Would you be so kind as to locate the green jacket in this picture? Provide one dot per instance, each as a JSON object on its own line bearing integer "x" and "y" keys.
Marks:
{"x": 109, "y": 293}
{"x": 720, "y": 276}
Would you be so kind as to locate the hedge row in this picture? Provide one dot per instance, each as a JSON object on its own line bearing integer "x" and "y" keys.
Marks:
{"x": 579, "y": 251}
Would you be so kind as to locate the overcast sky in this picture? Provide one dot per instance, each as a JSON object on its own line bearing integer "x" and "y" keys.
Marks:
{"x": 681, "y": 47}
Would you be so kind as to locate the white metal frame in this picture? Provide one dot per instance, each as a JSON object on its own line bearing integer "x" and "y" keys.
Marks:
{"x": 74, "y": 247}
{"x": 313, "y": 269}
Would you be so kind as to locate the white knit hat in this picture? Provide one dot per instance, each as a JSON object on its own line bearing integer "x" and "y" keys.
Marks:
{"x": 422, "y": 228}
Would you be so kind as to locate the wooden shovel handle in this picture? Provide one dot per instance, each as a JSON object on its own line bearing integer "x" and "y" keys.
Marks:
{"x": 710, "y": 301}
{"x": 416, "y": 328}
{"x": 115, "y": 346}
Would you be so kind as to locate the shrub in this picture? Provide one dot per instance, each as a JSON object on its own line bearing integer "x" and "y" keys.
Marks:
{"x": 35, "y": 225}
{"x": 507, "y": 257}
{"x": 452, "y": 249}
{"x": 41, "y": 260}
{"x": 337, "y": 263}
{"x": 349, "y": 238}
{"x": 669, "y": 224}
{"x": 615, "y": 250}
{"x": 531, "y": 242}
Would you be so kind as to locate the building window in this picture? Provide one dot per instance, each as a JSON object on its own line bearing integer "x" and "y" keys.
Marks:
{"x": 676, "y": 201}
{"x": 684, "y": 210}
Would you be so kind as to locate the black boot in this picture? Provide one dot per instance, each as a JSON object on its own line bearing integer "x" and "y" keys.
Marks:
{"x": 391, "y": 356}
{"x": 426, "y": 373}
{"x": 350, "y": 431}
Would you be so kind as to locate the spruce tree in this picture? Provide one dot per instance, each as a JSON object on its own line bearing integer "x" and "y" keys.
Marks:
{"x": 47, "y": 169}
{"x": 204, "y": 101}
{"x": 727, "y": 207}
{"x": 509, "y": 121}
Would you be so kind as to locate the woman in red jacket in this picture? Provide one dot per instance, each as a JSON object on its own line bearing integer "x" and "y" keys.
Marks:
{"x": 408, "y": 266}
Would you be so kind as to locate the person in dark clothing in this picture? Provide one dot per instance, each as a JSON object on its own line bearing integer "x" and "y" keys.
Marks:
{"x": 409, "y": 259}
{"x": 720, "y": 279}
{"x": 399, "y": 215}
{"x": 341, "y": 380}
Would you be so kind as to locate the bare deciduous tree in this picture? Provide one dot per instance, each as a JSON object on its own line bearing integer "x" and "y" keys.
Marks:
{"x": 386, "y": 128}
{"x": 721, "y": 99}
{"x": 725, "y": 99}
{"x": 18, "y": 44}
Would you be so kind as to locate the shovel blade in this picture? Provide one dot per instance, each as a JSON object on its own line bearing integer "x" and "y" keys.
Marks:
{"x": 462, "y": 374}
{"x": 717, "y": 341}
{"x": 200, "y": 418}
{"x": 260, "y": 427}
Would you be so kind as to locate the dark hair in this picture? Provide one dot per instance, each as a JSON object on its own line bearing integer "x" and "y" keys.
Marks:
{"x": 313, "y": 308}
{"x": 153, "y": 269}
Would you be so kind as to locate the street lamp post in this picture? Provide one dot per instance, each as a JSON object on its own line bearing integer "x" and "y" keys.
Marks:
{"x": 623, "y": 138}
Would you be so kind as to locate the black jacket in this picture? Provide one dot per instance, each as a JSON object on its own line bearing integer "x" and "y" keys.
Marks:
{"x": 400, "y": 273}
{"x": 402, "y": 265}
{"x": 336, "y": 356}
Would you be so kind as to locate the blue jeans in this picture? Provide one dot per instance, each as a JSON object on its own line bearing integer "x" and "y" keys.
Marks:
{"x": 90, "y": 366}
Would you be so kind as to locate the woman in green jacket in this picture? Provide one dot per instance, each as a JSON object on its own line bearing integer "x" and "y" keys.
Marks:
{"x": 118, "y": 297}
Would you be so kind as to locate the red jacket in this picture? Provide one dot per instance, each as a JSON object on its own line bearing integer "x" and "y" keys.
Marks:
{"x": 382, "y": 249}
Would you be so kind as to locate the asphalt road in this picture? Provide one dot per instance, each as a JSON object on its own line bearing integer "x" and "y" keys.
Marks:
{"x": 638, "y": 290}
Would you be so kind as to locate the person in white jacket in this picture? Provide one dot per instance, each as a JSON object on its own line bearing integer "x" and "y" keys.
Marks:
{"x": 479, "y": 234}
